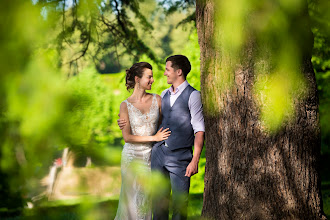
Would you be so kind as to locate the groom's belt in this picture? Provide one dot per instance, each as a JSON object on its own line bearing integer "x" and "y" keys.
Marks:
{"x": 171, "y": 148}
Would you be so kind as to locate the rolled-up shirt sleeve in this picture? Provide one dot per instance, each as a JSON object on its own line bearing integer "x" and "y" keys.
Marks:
{"x": 196, "y": 111}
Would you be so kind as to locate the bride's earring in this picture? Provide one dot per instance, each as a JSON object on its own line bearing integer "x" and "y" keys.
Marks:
{"x": 138, "y": 85}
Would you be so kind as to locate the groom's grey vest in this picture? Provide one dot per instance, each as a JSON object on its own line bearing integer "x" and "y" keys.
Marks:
{"x": 178, "y": 119}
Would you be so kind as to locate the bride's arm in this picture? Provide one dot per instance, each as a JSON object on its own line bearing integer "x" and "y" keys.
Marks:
{"x": 127, "y": 133}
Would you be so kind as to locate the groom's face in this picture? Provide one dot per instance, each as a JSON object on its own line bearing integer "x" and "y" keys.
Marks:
{"x": 170, "y": 73}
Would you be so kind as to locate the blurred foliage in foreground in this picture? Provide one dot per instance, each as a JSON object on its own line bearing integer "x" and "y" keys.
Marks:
{"x": 42, "y": 111}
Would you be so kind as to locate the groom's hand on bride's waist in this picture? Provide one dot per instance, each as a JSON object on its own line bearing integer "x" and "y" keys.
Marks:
{"x": 192, "y": 168}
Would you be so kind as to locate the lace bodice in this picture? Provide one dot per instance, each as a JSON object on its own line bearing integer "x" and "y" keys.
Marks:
{"x": 143, "y": 124}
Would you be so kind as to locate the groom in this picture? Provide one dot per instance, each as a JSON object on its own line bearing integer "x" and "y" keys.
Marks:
{"x": 182, "y": 113}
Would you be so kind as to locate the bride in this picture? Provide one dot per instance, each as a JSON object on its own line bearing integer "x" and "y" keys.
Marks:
{"x": 142, "y": 112}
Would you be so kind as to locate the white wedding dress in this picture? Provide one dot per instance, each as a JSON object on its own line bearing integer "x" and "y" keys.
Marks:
{"x": 134, "y": 201}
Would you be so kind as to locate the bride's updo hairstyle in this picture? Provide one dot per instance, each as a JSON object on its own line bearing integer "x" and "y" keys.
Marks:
{"x": 136, "y": 70}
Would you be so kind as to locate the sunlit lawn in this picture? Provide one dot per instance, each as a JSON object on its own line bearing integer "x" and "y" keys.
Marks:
{"x": 107, "y": 209}
{"x": 102, "y": 206}
{"x": 86, "y": 209}
{"x": 91, "y": 207}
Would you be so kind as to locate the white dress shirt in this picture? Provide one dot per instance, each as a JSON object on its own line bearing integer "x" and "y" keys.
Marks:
{"x": 194, "y": 104}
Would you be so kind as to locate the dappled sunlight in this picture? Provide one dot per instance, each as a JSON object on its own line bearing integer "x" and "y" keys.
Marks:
{"x": 62, "y": 81}
{"x": 261, "y": 110}
{"x": 66, "y": 181}
{"x": 276, "y": 94}
{"x": 277, "y": 57}
{"x": 98, "y": 181}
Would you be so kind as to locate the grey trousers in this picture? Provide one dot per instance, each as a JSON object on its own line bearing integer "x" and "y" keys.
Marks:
{"x": 172, "y": 165}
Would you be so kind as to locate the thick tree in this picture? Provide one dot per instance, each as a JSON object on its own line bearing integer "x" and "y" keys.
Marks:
{"x": 261, "y": 110}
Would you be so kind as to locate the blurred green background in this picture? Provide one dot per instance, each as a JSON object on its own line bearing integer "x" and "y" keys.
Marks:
{"x": 62, "y": 81}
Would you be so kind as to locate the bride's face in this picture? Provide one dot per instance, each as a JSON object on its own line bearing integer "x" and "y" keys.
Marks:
{"x": 147, "y": 79}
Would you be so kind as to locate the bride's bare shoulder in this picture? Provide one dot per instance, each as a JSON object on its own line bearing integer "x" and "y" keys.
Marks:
{"x": 123, "y": 106}
{"x": 159, "y": 99}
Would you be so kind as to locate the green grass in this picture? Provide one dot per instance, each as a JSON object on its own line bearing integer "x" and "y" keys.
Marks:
{"x": 99, "y": 209}
{"x": 94, "y": 210}
{"x": 106, "y": 209}
{"x": 325, "y": 188}
{"x": 325, "y": 183}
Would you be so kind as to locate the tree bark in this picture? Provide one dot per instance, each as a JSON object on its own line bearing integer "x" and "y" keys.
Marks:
{"x": 251, "y": 173}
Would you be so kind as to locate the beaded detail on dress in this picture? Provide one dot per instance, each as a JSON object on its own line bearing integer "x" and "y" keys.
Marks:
{"x": 143, "y": 124}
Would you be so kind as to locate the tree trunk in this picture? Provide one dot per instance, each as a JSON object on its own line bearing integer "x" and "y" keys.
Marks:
{"x": 252, "y": 173}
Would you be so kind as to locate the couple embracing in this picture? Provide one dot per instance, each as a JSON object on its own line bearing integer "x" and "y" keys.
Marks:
{"x": 178, "y": 116}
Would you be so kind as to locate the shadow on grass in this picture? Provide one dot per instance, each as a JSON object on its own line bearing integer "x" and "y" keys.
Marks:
{"x": 325, "y": 184}
{"x": 86, "y": 210}
{"x": 99, "y": 210}
{"x": 93, "y": 210}
{"x": 195, "y": 206}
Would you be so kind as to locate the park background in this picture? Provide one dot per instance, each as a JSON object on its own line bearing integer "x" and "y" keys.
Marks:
{"x": 62, "y": 89}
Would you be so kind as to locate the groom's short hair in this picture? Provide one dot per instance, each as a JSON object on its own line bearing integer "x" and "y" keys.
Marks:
{"x": 180, "y": 62}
